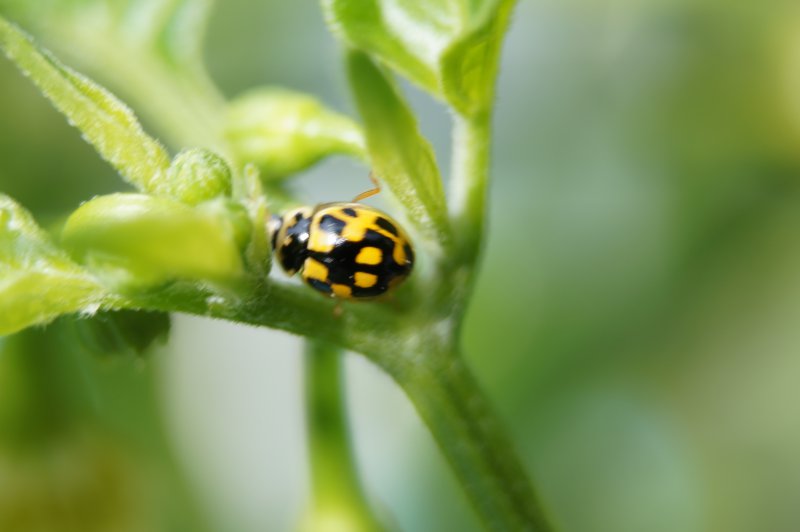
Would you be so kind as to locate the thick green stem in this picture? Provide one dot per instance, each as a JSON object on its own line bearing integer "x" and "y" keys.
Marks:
{"x": 471, "y": 437}
{"x": 427, "y": 366}
{"x": 469, "y": 183}
{"x": 338, "y": 500}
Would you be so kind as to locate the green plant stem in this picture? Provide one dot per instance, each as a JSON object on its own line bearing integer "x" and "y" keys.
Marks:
{"x": 294, "y": 309}
{"x": 471, "y": 437}
{"x": 469, "y": 184}
{"x": 337, "y": 494}
{"x": 425, "y": 362}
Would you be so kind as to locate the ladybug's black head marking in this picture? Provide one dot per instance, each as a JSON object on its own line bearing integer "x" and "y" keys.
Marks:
{"x": 274, "y": 226}
{"x": 289, "y": 238}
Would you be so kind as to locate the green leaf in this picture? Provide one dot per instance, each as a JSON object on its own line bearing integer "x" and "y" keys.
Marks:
{"x": 258, "y": 254}
{"x": 448, "y": 47}
{"x": 174, "y": 29}
{"x": 38, "y": 282}
{"x": 409, "y": 36}
{"x": 123, "y": 332}
{"x": 399, "y": 153}
{"x": 134, "y": 240}
{"x": 283, "y": 132}
{"x": 469, "y": 65}
{"x": 148, "y": 51}
{"x": 106, "y": 123}
{"x": 178, "y": 27}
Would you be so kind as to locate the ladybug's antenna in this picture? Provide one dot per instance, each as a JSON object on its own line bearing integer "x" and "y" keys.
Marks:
{"x": 371, "y": 192}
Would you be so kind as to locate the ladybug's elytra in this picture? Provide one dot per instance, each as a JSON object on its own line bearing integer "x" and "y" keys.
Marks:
{"x": 343, "y": 250}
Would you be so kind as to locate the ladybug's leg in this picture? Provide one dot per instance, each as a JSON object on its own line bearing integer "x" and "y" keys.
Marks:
{"x": 371, "y": 192}
{"x": 338, "y": 310}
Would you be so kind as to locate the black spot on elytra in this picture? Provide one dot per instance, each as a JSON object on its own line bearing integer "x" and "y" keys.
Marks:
{"x": 386, "y": 225}
{"x": 331, "y": 224}
{"x": 350, "y": 212}
{"x": 342, "y": 265}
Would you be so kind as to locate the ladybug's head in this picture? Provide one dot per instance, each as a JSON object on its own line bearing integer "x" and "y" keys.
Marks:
{"x": 289, "y": 235}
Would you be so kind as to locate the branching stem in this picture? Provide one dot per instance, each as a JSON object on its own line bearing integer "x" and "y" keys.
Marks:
{"x": 417, "y": 342}
{"x": 424, "y": 360}
{"x": 470, "y": 435}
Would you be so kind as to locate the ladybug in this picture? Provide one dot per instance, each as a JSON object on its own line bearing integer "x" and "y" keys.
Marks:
{"x": 343, "y": 250}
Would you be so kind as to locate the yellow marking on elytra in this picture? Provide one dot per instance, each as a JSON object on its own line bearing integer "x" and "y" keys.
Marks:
{"x": 369, "y": 255}
{"x": 342, "y": 290}
{"x": 365, "y": 280}
{"x": 314, "y": 269}
{"x": 399, "y": 254}
{"x": 320, "y": 241}
{"x": 355, "y": 228}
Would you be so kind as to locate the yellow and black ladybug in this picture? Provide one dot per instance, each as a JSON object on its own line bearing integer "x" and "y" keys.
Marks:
{"x": 343, "y": 250}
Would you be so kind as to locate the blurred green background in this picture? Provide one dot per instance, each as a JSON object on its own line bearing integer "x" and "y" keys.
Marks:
{"x": 636, "y": 321}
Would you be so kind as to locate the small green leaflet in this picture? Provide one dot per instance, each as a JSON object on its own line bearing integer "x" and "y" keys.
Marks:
{"x": 399, "y": 153}
{"x": 38, "y": 282}
{"x": 450, "y": 48}
{"x": 106, "y": 123}
{"x": 178, "y": 30}
{"x": 469, "y": 65}
{"x": 133, "y": 241}
{"x": 284, "y": 131}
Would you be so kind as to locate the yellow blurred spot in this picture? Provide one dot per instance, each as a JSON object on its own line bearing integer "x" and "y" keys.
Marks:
{"x": 399, "y": 253}
{"x": 355, "y": 228}
{"x": 365, "y": 280}
{"x": 315, "y": 270}
{"x": 370, "y": 256}
{"x": 341, "y": 290}
{"x": 320, "y": 241}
